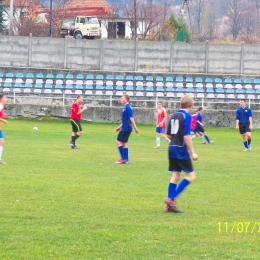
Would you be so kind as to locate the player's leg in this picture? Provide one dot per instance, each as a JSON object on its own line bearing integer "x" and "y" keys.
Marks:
{"x": 206, "y": 137}
{"x": 249, "y": 139}
{"x": 76, "y": 132}
{"x": 201, "y": 137}
{"x": 158, "y": 142}
{"x": 165, "y": 136}
{"x": 1, "y": 146}
{"x": 121, "y": 142}
{"x": 242, "y": 130}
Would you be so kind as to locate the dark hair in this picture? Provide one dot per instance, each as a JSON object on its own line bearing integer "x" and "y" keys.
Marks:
{"x": 160, "y": 102}
{"x": 2, "y": 95}
{"x": 200, "y": 108}
{"x": 243, "y": 100}
{"x": 79, "y": 96}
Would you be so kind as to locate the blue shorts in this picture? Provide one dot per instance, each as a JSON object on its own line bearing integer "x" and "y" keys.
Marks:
{"x": 199, "y": 128}
{"x": 1, "y": 134}
{"x": 160, "y": 130}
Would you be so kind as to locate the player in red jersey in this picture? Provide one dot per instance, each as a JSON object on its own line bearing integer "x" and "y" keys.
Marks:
{"x": 160, "y": 124}
{"x": 75, "y": 117}
{"x": 3, "y": 100}
{"x": 192, "y": 129}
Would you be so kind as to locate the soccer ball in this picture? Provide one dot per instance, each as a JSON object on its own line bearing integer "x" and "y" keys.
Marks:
{"x": 35, "y": 128}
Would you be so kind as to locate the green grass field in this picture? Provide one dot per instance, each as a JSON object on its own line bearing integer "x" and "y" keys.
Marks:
{"x": 59, "y": 203}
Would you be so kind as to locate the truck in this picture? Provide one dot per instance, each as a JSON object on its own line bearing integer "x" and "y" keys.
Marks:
{"x": 81, "y": 27}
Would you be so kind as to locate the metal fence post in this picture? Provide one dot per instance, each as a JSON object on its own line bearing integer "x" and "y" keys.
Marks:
{"x": 171, "y": 56}
{"x": 101, "y": 54}
{"x": 63, "y": 99}
{"x": 110, "y": 104}
{"x": 65, "y": 51}
{"x": 14, "y": 98}
{"x": 136, "y": 54}
{"x": 30, "y": 51}
{"x": 207, "y": 57}
{"x": 242, "y": 58}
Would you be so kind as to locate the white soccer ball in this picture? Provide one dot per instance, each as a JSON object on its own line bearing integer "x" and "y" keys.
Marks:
{"x": 35, "y": 128}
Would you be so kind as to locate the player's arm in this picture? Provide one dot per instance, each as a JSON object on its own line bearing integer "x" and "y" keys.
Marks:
{"x": 132, "y": 120}
{"x": 188, "y": 142}
{"x": 82, "y": 110}
{"x": 3, "y": 120}
{"x": 237, "y": 119}
{"x": 251, "y": 123}
{"x": 119, "y": 128}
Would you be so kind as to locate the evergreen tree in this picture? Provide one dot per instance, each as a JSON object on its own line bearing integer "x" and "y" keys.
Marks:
{"x": 1, "y": 16}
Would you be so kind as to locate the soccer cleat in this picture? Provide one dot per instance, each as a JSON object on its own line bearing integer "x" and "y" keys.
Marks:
{"x": 71, "y": 143}
{"x": 1, "y": 162}
{"x": 127, "y": 162}
{"x": 246, "y": 150}
{"x": 74, "y": 146}
{"x": 156, "y": 147}
{"x": 171, "y": 206}
{"x": 249, "y": 147}
{"x": 121, "y": 161}
{"x": 211, "y": 142}
{"x": 204, "y": 143}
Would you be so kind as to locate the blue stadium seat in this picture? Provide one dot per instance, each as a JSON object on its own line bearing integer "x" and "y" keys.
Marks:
{"x": 29, "y": 76}
{"x": 58, "y": 86}
{"x": 119, "y": 87}
{"x": 109, "y": 87}
{"x": 119, "y": 77}
{"x": 179, "y": 89}
{"x": 237, "y": 81}
{"x": 79, "y": 76}
{"x": 179, "y": 79}
{"x": 256, "y": 81}
{"x": 189, "y": 79}
{"x": 109, "y": 77}
{"x": 88, "y": 86}
{"x": 18, "y": 85}
{"x": 68, "y": 86}
{"x": 140, "y": 78}
{"x": 149, "y": 78}
{"x": 198, "y": 80}
{"x": 89, "y": 76}
{"x": 79, "y": 86}
{"x": 200, "y": 90}
{"x": 59, "y": 76}
{"x": 39, "y": 76}
{"x": 70, "y": 76}
{"x": 247, "y": 81}
{"x": 190, "y": 90}
{"x": 139, "y": 88}
{"x": 230, "y": 90}
{"x": 169, "y": 89}
{"x": 49, "y": 76}
{"x": 1, "y": 74}
{"x": 239, "y": 91}
{"x": 149, "y": 88}
{"x": 208, "y": 80}
{"x": 218, "y": 80}
{"x": 100, "y": 77}
{"x": 159, "y": 79}
{"x": 38, "y": 85}
{"x": 9, "y": 75}
{"x": 99, "y": 87}
{"x": 160, "y": 89}
{"x": 220, "y": 90}
{"x": 257, "y": 91}
{"x": 28, "y": 85}
{"x": 129, "y": 88}
{"x": 169, "y": 79}
{"x": 7, "y": 84}
{"x": 47, "y": 86}
{"x": 250, "y": 91}
{"x": 19, "y": 75}
{"x": 129, "y": 77}
{"x": 228, "y": 80}
{"x": 209, "y": 90}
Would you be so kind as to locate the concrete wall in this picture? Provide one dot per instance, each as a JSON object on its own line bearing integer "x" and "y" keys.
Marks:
{"x": 218, "y": 118}
{"x": 142, "y": 56}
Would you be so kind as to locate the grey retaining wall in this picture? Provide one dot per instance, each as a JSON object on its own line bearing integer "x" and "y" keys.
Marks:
{"x": 142, "y": 56}
{"x": 218, "y": 118}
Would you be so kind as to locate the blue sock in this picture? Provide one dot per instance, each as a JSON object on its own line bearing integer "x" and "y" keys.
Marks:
{"x": 171, "y": 190}
{"x": 246, "y": 145}
{"x": 207, "y": 138}
{"x": 249, "y": 141}
{"x": 120, "y": 148}
{"x": 125, "y": 151}
{"x": 183, "y": 184}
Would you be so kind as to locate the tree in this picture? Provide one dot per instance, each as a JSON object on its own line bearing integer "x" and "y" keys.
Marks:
{"x": 233, "y": 9}
{"x": 2, "y": 11}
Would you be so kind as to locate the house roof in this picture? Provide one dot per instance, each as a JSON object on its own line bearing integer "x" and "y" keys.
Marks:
{"x": 24, "y": 3}
{"x": 89, "y": 3}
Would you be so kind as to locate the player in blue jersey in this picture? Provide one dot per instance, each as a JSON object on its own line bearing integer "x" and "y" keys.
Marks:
{"x": 244, "y": 123}
{"x": 125, "y": 130}
{"x": 199, "y": 125}
{"x": 178, "y": 132}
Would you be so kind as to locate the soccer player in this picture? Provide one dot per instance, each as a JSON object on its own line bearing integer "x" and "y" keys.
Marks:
{"x": 199, "y": 125}
{"x": 179, "y": 158}
{"x": 125, "y": 130}
{"x": 161, "y": 124}
{"x": 192, "y": 128}
{"x": 75, "y": 117}
{"x": 244, "y": 123}
{"x": 3, "y": 100}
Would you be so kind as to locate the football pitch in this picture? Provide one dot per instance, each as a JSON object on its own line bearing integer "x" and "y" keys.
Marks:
{"x": 59, "y": 203}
